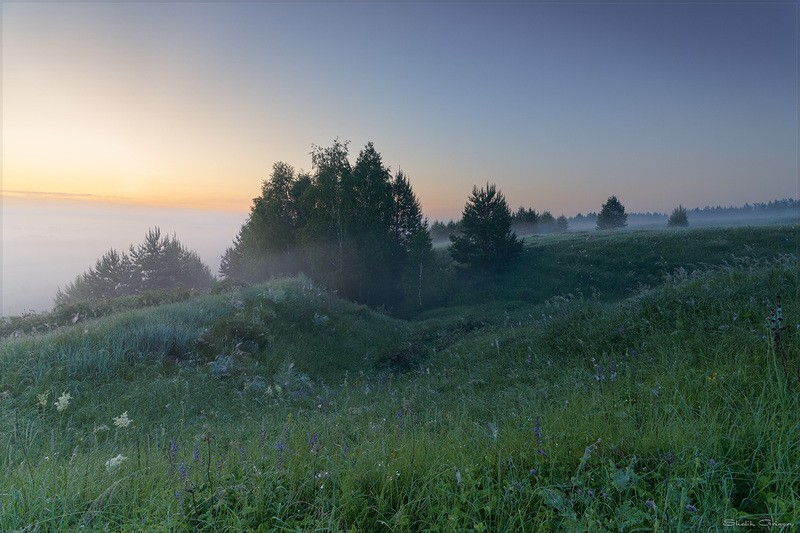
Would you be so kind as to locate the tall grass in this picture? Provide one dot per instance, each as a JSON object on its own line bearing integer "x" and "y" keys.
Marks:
{"x": 503, "y": 416}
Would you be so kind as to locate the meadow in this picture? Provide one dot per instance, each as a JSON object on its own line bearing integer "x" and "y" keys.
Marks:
{"x": 630, "y": 381}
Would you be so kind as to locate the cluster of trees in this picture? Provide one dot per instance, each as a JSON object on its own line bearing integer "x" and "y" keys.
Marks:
{"x": 523, "y": 221}
{"x": 160, "y": 262}
{"x": 531, "y": 221}
{"x": 353, "y": 228}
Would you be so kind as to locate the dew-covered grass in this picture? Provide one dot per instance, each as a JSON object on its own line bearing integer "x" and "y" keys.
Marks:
{"x": 280, "y": 407}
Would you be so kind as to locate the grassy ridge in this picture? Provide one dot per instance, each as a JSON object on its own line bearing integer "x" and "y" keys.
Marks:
{"x": 284, "y": 407}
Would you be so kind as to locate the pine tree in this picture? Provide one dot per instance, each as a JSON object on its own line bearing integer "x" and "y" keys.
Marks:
{"x": 678, "y": 218}
{"x": 612, "y": 215}
{"x": 487, "y": 241}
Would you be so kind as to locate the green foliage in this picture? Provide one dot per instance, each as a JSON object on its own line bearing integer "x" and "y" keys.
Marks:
{"x": 353, "y": 229}
{"x": 678, "y": 218}
{"x": 487, "y": 242}
{"x": 159, "y": 263}
{"x": 612, "y": 215}
{"x": 498, "y": 422}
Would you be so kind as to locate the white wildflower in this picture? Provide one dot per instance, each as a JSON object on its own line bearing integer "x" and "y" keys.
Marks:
{"x": 42, "y": 399}
{"x": 63, "y": 401}
{"x": 113, "y": 463}
{"x": 278, "y": 389}
{"x": 100, "y": 428}
{"x": 122, "y": 421}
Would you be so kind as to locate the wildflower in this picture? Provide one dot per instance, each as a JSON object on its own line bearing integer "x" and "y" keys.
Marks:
{"x": 262, "y": 438}
{"x": 613, "y": 369}
{"x": 182, "y": 472}
{"x": 537, "y": 433}
{"x": 196, "y": 454}
{"x": 269, "y": 390}
{"x": 278, "y": 389}
{"x": 122, "y": 421}
{"x": 63, "y": 401}
{"x": 691, "y": 508}
{"x": 712, "y": 378}
{"x": 532, "y": 472}
{"x": 114, "y": 463}
{"x": 42, "y": 399}
{"x": 599, "y": 375}
{"x": 458, "y": 477}
{"x": 179, "y": 499}
{"x": 280, "y": 447}
{"x": 313, "y": 443}
{"x": 100, "y": 428}
{"x": 656, "y": 391}
{"x": 493, "y": 430}
{"x": 173, "y": 451}
{"x": 651, "y": 504}
{"x": 712, "y": 463}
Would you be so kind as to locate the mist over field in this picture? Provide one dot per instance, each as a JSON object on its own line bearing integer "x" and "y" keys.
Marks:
{"x": 47, "y": 243}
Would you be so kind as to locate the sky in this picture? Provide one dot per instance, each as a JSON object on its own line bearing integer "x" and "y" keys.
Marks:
{"x": 185, "y": 107}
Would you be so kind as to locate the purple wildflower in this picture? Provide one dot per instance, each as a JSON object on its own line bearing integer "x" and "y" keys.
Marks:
{"x": 651, "y": 504}
{"x": 613, "y": 369}
{"x": 280, "y": 447}
{"x": 313, "y": 443}
{"x": 179, "y": 499}
{"x": 691, "y": 508}
{"x": 263, "y": 437}
{"x": 537, "y": 433}
{"x": 182, "y": 472}
{"x": 173, "y": 451}
{"x": 196, "y": 454}
{"x": 599, "y": 375}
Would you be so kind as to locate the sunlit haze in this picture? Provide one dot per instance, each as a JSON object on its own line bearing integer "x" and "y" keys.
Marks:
{"x": 177, "y": 111}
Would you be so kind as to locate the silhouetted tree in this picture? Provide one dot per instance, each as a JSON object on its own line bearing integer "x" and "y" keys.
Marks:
{"x": 157, "y": 263}
{"x": 678, "y": 218}
{"x": 612, "y": 215}
{"x": 351, "y": 228}
{"x": 487, "y": 241}
{"x": 562, "y": 224}
{"x": 410, "y": 234}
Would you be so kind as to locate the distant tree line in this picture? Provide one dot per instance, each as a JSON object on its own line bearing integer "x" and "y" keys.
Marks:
{"x": 354, "y": 228}
{"x": 160, "y": 262}
{"x": 523, "y": 221}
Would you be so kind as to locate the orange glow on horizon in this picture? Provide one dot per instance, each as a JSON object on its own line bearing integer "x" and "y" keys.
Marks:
{"x": 199, "y": 203}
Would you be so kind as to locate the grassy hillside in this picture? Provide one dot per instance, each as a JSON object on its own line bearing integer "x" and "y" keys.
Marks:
{"x": 590, "y": 391}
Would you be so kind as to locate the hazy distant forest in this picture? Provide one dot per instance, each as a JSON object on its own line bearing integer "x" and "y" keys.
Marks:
{"x": 359, "y": 230}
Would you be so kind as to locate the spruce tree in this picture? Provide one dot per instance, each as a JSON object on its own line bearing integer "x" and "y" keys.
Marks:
{"x": 612, "y": 215}
{"x": 486, "y": 241}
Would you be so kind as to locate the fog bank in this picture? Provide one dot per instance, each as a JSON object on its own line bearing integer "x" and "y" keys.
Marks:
{"x": 46, "y": 243}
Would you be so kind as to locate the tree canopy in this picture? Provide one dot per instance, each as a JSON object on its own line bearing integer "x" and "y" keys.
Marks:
{"x": 353, "y": 228}
{"x": 486, "y": 241}
{"x": 678, "y": 218}
{"x": 160, "y": 262}
{"x": 612, "y": 215}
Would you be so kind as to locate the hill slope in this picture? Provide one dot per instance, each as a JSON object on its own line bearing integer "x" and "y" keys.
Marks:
{"x": 283, "y": 406}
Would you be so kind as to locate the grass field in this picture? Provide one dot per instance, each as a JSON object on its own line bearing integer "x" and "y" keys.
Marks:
{"x": 610, "y": 382}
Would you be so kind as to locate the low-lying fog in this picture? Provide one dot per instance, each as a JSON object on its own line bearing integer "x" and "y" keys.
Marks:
{"x": 47, "y": 243}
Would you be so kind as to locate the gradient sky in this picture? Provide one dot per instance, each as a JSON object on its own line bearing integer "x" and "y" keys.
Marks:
{"x": 190, "y": 104}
